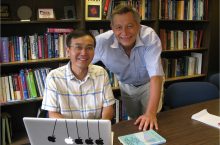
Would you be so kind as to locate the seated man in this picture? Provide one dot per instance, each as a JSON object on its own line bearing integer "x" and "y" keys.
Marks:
{"x": 79, "y": 89}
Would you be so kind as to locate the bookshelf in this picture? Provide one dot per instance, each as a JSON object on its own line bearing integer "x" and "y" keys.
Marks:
{"x": 12, "y": 26}
{"x": 183, "y": 42}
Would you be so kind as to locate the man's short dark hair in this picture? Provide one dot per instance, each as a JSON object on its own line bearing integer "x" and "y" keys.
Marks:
{"x": 77, "y": 34}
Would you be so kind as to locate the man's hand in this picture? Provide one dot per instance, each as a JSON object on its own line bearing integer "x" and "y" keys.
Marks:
{"x": 147, "y": 121}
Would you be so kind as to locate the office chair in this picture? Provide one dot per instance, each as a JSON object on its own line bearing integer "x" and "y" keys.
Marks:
{"x": 186, "y": 93}
{"x": 214, "y": 79}
{"x": 42, "y": 113}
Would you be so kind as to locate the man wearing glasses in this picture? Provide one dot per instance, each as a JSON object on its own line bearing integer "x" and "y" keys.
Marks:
{"x": 79, "y": 89}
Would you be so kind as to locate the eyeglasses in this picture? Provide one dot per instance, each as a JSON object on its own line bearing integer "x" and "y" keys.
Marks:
{"x": 80, "y": 47}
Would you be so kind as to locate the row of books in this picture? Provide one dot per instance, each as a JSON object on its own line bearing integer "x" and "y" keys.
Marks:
{"x": 143, "y": 7}
{"x": 102, "y": 9}
{"x": 183, "y": 66}
{"x": 21, "y": 48}
{"x": 27, "y": 84}
{"x": 183, "y": 9}
{"x": 6, "y": 129}
{"x": 178, "y": 39}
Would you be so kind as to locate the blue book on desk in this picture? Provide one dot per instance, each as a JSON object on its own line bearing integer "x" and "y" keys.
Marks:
{"x": 149, "y": 137}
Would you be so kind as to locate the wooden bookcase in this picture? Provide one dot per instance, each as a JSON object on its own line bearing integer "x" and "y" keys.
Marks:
{"x": 14, "y": 27}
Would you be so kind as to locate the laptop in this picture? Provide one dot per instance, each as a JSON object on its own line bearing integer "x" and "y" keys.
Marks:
{"x": 50, "y": 131}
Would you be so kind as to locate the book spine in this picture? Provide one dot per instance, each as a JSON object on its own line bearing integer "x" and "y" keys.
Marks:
{"x": 31, "y": 84}
{"x": 39, "y": 47}
{"x": 38, "y": 81}
{"x": 8, "y": 94}
{"x": 15, "y": 81}
{"x": 56, "y": 45}
{"x": 17, "y": 48}
{"x": 21, "y": 48}
{"x": 11, "y": 87}
{"x": 59, "y": 30}
{"x": 20, "y": 87}
{"x": 5, "y": 49}
{"x": 24, "y": 84}
{"x": 61, "y": 47}
{"x": 11, "y": 50}
{"x": 3, "y": 90}
{"x": 49, "y": 45}
{"x": 45, "y": 45}
{"x": 25, "y": 47}
{"x": 106, "y": 7}
{"x": 32, "y": 46}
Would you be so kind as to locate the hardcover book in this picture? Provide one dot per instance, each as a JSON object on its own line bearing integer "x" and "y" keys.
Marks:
{"x": 149, "y": 137}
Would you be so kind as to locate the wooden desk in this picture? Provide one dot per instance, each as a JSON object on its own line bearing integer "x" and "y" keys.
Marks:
{"x": 177, "y": 126}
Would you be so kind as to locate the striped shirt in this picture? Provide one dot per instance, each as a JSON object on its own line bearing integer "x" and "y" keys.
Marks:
{"x": 143, "y": 63}
{"x": 74, "y": 98}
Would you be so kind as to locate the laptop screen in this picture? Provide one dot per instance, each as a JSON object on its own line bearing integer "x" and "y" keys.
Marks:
{"x": 50, "y": 131}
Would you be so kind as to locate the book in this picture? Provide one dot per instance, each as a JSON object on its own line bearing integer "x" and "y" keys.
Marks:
{"x": 8, "y": 93}
{"x": 149, "y": 137}
{"x": 33, "y": 47}
{"x": 8, "y": 131}
{"x": 93, "y": 10}
{"x": 205, "y": 117}
{"x": 17, "y": 90}
{"x": 3, "y": 136}
{"x": 4, "y": 49}
{"x": 199, "y": 62}
{"x": 180, "y": 10}
{"x": 106, "y": 8}
{"x": 24, "y": 84}
{"x": 59, "y": 30}
{"x": 11, "y": 87}
{"x": 31, "y": 83}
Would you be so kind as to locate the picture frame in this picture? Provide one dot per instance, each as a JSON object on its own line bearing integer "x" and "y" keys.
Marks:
{"x": 46, "y": 14}
{"x": 4, "y": 11}
{"x": 69, "y": 12}
{"x": 93, "y": 10}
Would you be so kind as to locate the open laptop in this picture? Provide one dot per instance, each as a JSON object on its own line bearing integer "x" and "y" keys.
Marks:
{"x": 49, "y": 131}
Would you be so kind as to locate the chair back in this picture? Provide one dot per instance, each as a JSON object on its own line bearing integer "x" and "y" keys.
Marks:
{"x": 214, "y": 79}
{"x": 186, "y": 93}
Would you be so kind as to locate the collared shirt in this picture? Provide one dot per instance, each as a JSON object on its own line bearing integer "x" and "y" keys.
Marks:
{"x": 74, "y": 98}
{"x": 143, "y": 63}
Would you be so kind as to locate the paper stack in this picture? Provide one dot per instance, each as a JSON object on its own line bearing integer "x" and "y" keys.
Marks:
{"x": 207, "y": 118}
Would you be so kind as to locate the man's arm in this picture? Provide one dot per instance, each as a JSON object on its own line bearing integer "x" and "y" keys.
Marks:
{"x": 149, "y": 119}
{"x": 108, "y": 112}
{"x": 54, "y": 115}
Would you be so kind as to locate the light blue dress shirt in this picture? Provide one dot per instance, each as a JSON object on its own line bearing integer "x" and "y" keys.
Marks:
{"x": 143, "y": 63}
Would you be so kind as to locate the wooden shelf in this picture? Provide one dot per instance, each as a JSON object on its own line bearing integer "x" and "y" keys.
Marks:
{"x": 35, "y": 61}
{"x": 186, "y": 50}
{"x": 14, "y": 102}
{"x": 184, "y": 78}
{"x": 12, "y": 22}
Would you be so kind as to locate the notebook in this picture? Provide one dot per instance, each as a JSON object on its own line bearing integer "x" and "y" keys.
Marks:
{"x": 49, "y": 131}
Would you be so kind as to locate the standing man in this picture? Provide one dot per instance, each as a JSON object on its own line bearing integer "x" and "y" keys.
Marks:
{"x": 79, "y": 89}
{"x": 132, "y": 52}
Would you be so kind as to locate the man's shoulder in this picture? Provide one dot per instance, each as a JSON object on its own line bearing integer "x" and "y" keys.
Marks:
{"x": 147, "y": 34}
{"x": 106, "y": 35}
{"x": 60, "y": 71}
{"x": 146, "y": 30}
{"x": 96, "y": 69}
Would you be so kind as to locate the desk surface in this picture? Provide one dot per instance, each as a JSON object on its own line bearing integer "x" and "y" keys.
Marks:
{"x": 177, "y": 126}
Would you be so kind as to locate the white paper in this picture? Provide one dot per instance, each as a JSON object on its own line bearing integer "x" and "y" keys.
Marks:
{"x": 207, "y": 118}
